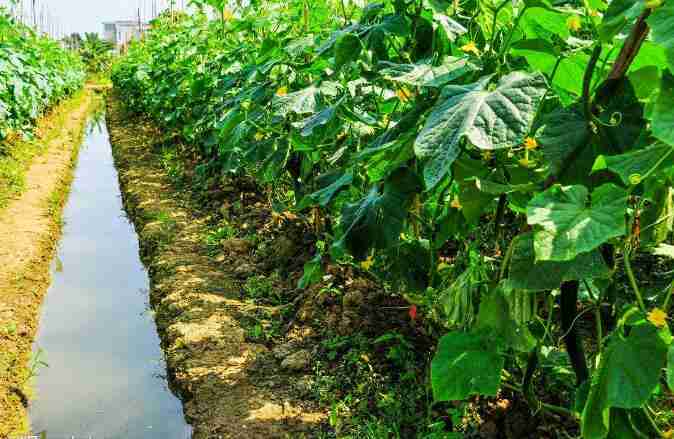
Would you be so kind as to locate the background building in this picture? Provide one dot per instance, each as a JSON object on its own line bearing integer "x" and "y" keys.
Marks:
{"x": 120, "y": 33}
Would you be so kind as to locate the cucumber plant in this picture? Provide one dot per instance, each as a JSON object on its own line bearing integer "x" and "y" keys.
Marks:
{"x": 35, "y": 73}
{"x": 500, "y": 163}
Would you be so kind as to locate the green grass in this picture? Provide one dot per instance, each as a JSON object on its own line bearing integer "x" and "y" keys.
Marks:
{"x": 17, "y": 154}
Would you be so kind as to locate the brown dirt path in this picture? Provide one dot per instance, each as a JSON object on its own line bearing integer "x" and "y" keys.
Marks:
{"x": 196, "y": 301}
{"x": 29, "y": 229}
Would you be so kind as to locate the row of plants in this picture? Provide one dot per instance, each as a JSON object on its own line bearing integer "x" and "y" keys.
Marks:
{"x": 35, "y": 73}
{"x": 504, "y": 165}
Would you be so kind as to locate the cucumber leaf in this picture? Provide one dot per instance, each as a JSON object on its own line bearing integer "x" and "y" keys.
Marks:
{"x": 568, "y": 226}
{"x": 466, "y": 363}
{"x": 489, "y": 119}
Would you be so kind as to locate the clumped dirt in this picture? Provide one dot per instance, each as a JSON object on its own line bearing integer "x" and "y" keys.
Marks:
{"x": 197, "y": 298}
{"x": 29, "y": 230}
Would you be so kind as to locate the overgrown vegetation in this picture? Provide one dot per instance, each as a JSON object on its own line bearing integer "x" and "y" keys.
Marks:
{"x": 505, "y": 166}
{"x": 96, "y": 53}
{"x": 35, "y": 73}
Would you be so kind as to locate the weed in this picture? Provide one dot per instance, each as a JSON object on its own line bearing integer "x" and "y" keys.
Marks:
{"x": 215, "y": 236}
{"x": 262, "y": 289}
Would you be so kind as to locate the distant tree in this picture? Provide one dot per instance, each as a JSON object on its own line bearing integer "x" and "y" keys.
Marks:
{"x": 96, "y": 52}
{"x": 73, "y": 41}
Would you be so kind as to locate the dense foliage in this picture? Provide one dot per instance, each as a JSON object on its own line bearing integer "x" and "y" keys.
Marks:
{"x": 35, "y": 73}
{"x": 501, "y": 164}
{"x": 96, "y": 53}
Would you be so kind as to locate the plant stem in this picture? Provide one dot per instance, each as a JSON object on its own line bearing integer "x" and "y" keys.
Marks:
{"x": 665, "y": 306}
{"x": 506, "y": 44}
{"x": 493, "y": 24}
{"x": 633, "y": 279}
{"x": 542, "y": 405}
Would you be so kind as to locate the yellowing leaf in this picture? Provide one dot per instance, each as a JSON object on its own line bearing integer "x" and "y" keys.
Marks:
{"x": 282, "y": 91}
{"x": 653, "y": 4}
{"x": 526, "y": 163}
{"x": 658, "y": 317}
{"x": 471, "y": 48}
{"x": 368, "y": 263}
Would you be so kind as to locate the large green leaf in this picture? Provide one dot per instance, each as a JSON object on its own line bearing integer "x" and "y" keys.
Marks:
{"x": 465, "y": 364}
{"x": 322, "y": 118}
{"x": 622, "y": 114}
{"x": 618, "y": 15}
{"x": 426, "y": 75}
{"x": 347, "y": 49}
{"x": 627, "y": 376}
{"x": 453, "y": 29}
{"x": 322, "y": 197}
{"x": 661, "y": 22}
{"x": 376, "y": 221}
{"x": 632, "y": 166}
{"x": 489, "y": 119}
{"x": 301, "y": 102}
{"x": 569, "y": 226}
{"x": 544, "y": 22}
{"x": 528, "y": 274}
{"x": 663, "y": 113}
{"x": 494, "y": 315}
{"x": 563, "y": 131}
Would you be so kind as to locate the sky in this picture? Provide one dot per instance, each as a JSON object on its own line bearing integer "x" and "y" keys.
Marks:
{"x": 68, "y": 16}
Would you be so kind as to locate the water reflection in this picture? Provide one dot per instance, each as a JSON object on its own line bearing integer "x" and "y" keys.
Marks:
{"x": 105, "y": 377}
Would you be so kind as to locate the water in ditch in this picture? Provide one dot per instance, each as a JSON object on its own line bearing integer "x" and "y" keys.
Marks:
{"x": 105, "y": 376}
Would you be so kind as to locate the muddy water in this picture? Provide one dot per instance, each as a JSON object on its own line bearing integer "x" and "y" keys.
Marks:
{"x": 104, "y": 375}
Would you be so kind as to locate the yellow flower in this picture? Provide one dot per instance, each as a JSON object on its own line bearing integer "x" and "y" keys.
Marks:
{"x": 657, "y": 317}
{"x": 456, "y": 204}
{"x": 471, "y": 48}
{"x": 573, "y": 23}
{"x": 404, "y": 94}
{"x": 487, "y": 155}
{"x": 259, "y": 136}
{"x": 367, "y": 263}
{"x": 227, "y": 15}
{"x": 282, "y": 91}
{"x": 653, "y": 4}
{"x": 530, "y": 143}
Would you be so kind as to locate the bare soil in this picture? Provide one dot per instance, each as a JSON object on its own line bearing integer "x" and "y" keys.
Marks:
{"x": 30, "y": 226}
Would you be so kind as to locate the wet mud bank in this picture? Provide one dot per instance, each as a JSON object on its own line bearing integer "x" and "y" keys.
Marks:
{"x": 197, "y": 302}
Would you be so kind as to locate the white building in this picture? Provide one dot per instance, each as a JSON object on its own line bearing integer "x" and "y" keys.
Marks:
{"x": 120, "y": 33}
